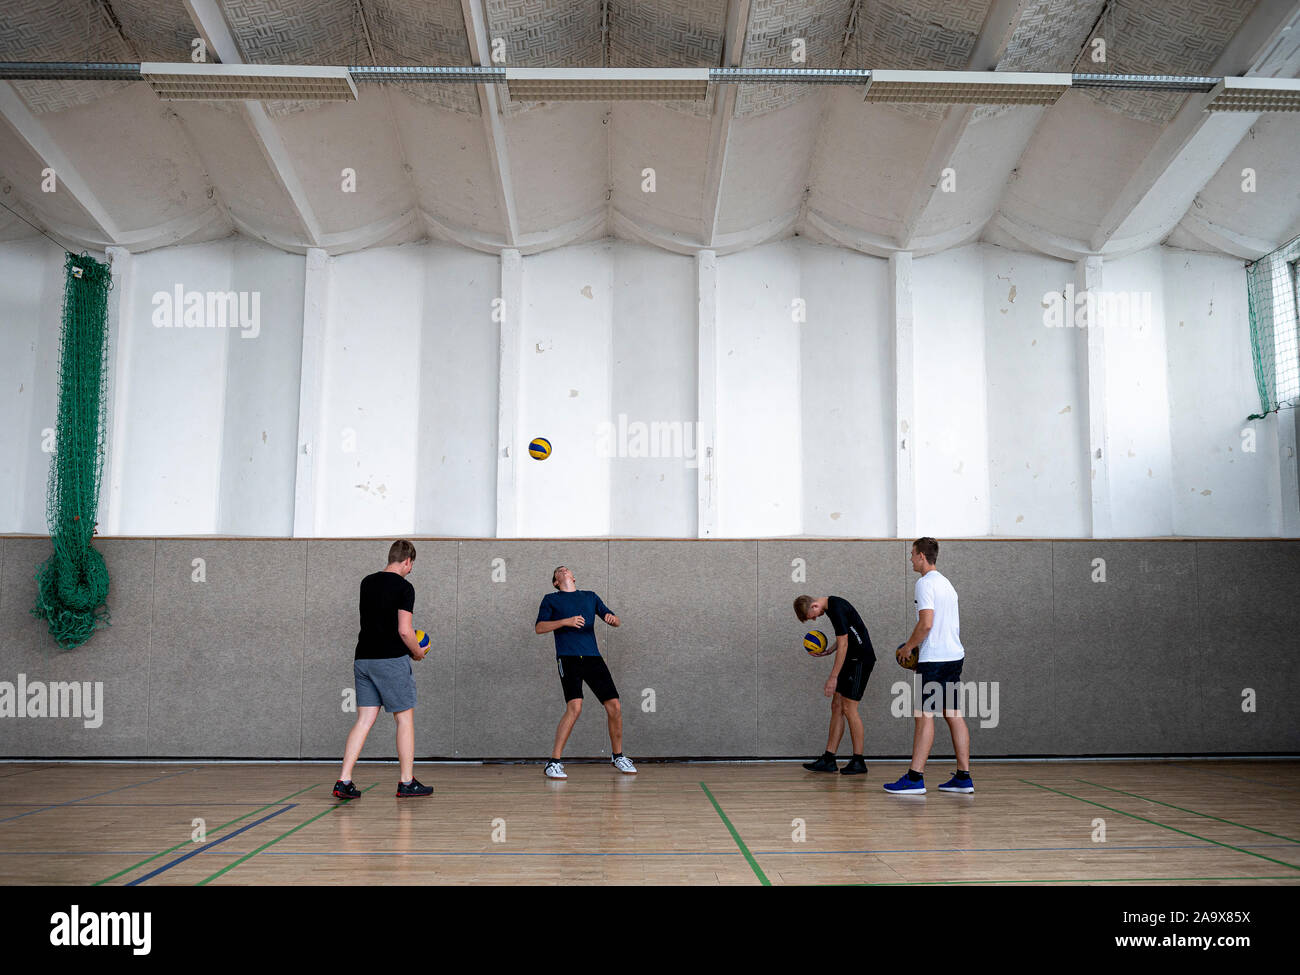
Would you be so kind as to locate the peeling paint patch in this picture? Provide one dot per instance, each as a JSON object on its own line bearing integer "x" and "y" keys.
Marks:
{"x": 572, "y": 393}
{"x": 586, "y": 291}
{"x": 1019, "y": 519}
{"x": 958, "y": 468}
{"x": 1011, "y": 295}
{"x": 835, "y": 516}
{"x": 1206, "y": 493}
{"x": 1064, "y": 411}
{"x": 263, "y": 436}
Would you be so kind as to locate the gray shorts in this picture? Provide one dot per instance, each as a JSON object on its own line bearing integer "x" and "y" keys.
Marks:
{"x": 388, "y": 682}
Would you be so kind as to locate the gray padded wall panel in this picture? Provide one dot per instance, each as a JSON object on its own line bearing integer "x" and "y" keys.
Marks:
{"x": 252, "y": 662}
{"x": 508, "y": 696}
{"x": 117, "y": 656}
{"x": 1125, "y": 648}
{"x": 1004, "y": 603}
{"x": 225, "y": 666}
{"x": 334, "y": 573}
{"x": 1249, "y": 618}
{"x": 793, "y": 712}
{"x": 688, "y": 614}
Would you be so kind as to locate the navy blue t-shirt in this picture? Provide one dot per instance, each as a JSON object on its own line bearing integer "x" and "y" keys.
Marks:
{"x": 570, "y": 642}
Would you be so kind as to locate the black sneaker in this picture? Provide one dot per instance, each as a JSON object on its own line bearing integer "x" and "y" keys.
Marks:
{"x": 822, "y": 764}
{"x": 346, "y": 791}
{"x": 855, "y": 766}
{"x": 413, "y": 790}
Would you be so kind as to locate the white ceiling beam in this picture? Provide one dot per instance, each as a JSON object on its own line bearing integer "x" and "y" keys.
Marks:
{"x": 724, "y": 112}
{"x": 999, "y": 27}
{"x": 212, "y": 27}
{"x": 1195, "y": 145}
{"x": 69, "y": 180}
{"x": 489, "y": 110}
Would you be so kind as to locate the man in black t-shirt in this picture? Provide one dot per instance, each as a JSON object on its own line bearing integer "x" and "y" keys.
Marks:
{"x": 382, "y": 669}
{"x": 854, "y": 660}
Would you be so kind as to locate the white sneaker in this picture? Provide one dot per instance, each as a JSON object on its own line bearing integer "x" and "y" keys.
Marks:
{"x": 554, "y": 770}
{"x": 624, "y": 765}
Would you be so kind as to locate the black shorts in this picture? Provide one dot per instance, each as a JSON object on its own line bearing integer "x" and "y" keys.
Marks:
{"x": 575, "y": 670}
{"x": 852, "y": 682}
{"x": 940, "y": 682}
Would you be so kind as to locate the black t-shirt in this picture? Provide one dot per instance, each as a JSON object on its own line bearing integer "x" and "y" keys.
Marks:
{"x": 382, "y": 595}
{"x": 848, "y": 623}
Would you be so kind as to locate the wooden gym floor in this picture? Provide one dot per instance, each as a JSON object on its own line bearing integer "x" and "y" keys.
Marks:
{"x": 1191, "y": 822}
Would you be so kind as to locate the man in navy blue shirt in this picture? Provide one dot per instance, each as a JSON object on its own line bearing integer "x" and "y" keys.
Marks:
{"x": 570, "y": 613}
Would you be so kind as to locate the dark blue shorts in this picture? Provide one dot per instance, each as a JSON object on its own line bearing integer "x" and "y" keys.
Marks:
{"x": 940, "y": 686}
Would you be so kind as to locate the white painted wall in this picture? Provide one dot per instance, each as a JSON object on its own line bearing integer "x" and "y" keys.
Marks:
{"x": 457, "y": 430}
{"x": 951, "y": 430}
{"x": 1037, "y": 401}
{"x": 1137, "y": 407}
{"x": 565, "y": 391}
{"x": 31, "y": 299}
{"x": 759, "y": 426}
{"x": 654, "y": 383}
{"x": 405, "y": 439}
{"x": 1219, "y": 486}
{"x": 260, "y": 427}
{"x": 367, "y": 443}
{"x": 175, "y": 398}
{"x": 847, "y": 394}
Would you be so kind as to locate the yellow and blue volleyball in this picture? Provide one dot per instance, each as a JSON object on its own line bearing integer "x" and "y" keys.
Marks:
{"x": 539, "y": 449}
{"x": 815, "y": 642}
{"x": 422, "y": 639}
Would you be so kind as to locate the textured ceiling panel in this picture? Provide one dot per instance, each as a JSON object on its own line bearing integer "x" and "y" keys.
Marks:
{"x": 60, "y": 30}
{"x": 1172, "y": 37}
{"x": 773, "y": 27}
{"x": 546, "y": 34}
{"x": 157, "y": 30}
{"x": 425, "y": 33}
{"x": 917, "y": 35}
{"x": 1050, "y": 35}
{"x": 668, "y": 34}
{"x": 296, "y": 32}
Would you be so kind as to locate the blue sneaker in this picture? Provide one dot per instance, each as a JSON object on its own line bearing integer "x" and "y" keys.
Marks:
{"x": 906, "y": 787}
{"x": 958, "y": 785}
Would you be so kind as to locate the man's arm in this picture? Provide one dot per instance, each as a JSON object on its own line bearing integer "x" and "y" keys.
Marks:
{"x": 841, "y": 651}
{"x": 604, "y": 612}
{"x": 407, "y": 632}
{"x": 550, "y": 626}
{"x": 924, "y": 624}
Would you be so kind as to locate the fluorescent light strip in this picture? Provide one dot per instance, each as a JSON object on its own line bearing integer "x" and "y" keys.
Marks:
{"x": 966, "y": 87}
{"x": 226, "y": 82}
{"x": 1255, "y": 95}
{"x": 607, "y": 84}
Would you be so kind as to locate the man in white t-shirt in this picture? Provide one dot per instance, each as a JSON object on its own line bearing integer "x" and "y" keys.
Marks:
{"x": 937, "y": 635}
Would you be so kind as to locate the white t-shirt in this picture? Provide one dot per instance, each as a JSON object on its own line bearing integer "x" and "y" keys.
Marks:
{"x": 935, "y": 592}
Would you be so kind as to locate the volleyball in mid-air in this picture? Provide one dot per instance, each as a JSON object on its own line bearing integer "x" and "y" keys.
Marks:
{"x": 815, "y": 642}
{"x": 539, "y": 449}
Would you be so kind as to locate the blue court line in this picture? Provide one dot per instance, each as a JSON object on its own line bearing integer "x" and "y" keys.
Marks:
{"x": 71, "y": 802}
{"x": 208, "y": 846}
{"x": 1099, "y": 848}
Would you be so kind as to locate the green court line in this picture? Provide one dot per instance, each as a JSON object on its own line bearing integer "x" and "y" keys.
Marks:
{"x": 216, "y": 829}
{"x": 1217, "y": 819}
{"x": 753, "y": 864}
{"x": 1028, "y": 880}
{"x": 249, "y": 856}
{"x": 1153, "y": 822}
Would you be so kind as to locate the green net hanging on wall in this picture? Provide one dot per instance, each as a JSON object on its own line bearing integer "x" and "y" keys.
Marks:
{"x": 72, "y": 585}
{"x": 1272, "y": 289}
